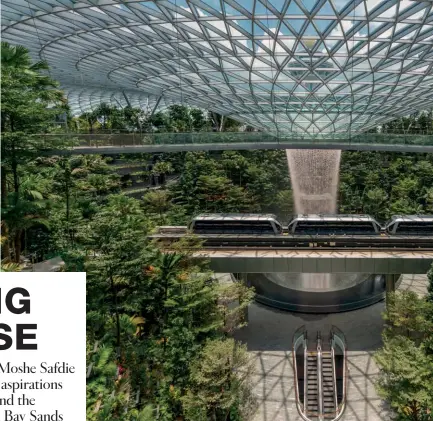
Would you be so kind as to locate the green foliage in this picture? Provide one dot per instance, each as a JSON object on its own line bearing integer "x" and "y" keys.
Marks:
{"x": 158, "y": 323}
{"x": 236, "y": 182}
{"x": 430, "y": 286}
{"x": 219, "y": 383}
{"x": 157, "y": 201}
{"x": 384, "y": 183}
{"x": 9, "y": 267}
{"x": 156, "y": 310}
{"x": 405, "y": 379}
{"x": 406, "y": 358}
{"x": 176, "y": 118}
{"x": 408, "y": 315}
{"x": 30, "y": 103}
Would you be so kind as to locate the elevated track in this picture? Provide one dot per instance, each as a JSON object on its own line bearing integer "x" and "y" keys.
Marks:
{"x": 168, "y": 235}
{"x": 308, "y": 254}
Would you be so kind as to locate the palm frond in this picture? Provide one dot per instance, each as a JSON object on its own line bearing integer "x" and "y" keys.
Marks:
{"x": 10, "y": 267}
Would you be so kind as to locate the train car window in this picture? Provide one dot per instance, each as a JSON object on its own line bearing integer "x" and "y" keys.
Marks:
{"x": 233, "y": 227}
{"x": 414, "y": 228}
{"x": 335, "y": 227}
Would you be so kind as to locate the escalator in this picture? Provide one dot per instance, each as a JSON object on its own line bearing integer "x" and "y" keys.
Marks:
{"x": 312, "y": 386}
{"x": 320, "y": 375}
{"x": 328, "y": 385}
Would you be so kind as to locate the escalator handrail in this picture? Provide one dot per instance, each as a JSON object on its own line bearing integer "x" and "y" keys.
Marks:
{"x": 334, "y": 377}
{"x": 339, "y": 338}
{"x": 305, "y": 372}
{"x": 300, "y": 333}
{"x": 319, "y": 376}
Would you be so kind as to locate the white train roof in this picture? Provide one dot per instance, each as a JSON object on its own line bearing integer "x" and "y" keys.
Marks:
{"x": 412, "y": 218}
{"x": 234, "y": 217}
{"x": 330, "y": 218}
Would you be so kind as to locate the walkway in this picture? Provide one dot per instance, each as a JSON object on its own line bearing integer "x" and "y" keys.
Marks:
{"x": 269, "y": 334}
{"x": 121, "y": 143}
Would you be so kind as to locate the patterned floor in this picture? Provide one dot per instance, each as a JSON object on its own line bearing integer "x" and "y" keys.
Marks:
{"x": 269, "y": 336}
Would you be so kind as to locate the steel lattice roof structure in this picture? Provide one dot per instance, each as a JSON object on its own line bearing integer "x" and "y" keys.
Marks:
{"x": 310, "y": 66}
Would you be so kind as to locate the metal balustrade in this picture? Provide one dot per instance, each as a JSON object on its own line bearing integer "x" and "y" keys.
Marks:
{"x": 147, "y": 142}
{"x": 323, "y": 384}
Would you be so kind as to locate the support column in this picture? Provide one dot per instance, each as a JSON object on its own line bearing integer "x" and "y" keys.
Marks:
{"x": 244, "y": 279}
{"x": 390, "y": 282}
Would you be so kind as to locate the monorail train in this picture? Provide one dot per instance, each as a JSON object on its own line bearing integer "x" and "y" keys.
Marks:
{"x": 236, "y": 223}
{"x": 334, "y": 225}
{"x": 410, "y": 225}
{"x": 311, "y": 224}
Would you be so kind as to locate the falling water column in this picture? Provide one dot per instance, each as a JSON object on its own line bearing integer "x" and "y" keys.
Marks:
{"x": 314, "y": 176}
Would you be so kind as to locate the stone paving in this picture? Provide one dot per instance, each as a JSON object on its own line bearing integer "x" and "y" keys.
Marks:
{"x": 269, "y": 335}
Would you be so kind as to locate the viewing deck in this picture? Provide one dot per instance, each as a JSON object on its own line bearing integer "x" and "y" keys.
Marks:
{"x": 116, "y": 143}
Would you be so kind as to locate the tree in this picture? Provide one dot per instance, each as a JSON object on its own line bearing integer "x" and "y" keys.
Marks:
{"x": 161, "y": 169}
{"x": 407, "y": 315}
{"x": 220, "y": 387}
{"x": 406, "y": 358}
{"x": 285, "y": 203}
{"x": 157, "y": 201}
{"x": 385, "y": 183}
{"x": 87, "y": 121}
{"x": 180, "y": 118}
{"x": 430, "y": 285}
{"x": 154, "y": 309}
{"x": 375, "y": 203}
{"x": 219, "y": 195}
{"x": 405, "y": 378}
{"x": 30, "y": 104}
{"x": 233, "y": 301}
{"x": 24, "y": 210}
{"x": 429, "y": 200}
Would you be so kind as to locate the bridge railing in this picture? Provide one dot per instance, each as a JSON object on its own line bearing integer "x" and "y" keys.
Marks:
{"x": 197, "y": 138}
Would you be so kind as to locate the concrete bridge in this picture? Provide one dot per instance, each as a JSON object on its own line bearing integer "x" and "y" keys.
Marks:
{"x": 121, "y": 143}
{"x": 386, "y": 262}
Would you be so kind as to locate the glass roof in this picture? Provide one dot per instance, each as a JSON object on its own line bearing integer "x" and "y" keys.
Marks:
{"x": 283, "y": 65}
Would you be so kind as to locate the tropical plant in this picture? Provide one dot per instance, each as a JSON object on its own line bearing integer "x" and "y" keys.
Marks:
{"x": 220, "y": 383}
{"x": 30, "y": 103}
{"x": 406, "y": 358}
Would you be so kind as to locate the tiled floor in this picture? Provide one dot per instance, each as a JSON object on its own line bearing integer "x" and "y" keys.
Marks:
{"x": 269, "y": 335}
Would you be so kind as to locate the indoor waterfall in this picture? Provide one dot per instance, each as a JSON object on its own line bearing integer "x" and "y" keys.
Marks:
{"x": 314, "y": 176}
